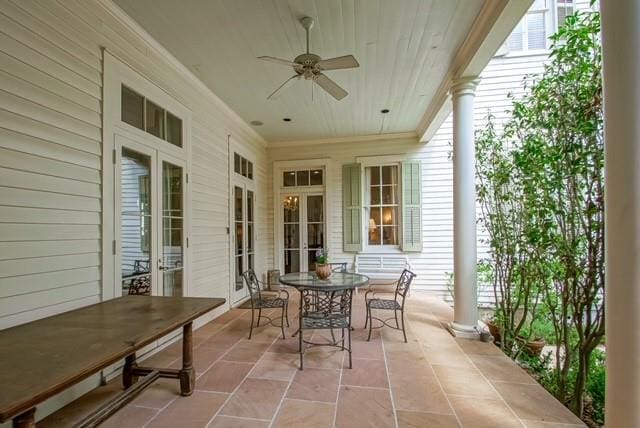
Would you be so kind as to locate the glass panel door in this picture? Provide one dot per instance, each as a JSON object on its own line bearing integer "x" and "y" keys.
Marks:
{"x": 136, "y": 237}
{"x": 291, "y": 232}
{"x": 172, "y": 239}
{"x": 243, "y": 238}
{"x": 315, "y": 228}
{"x": 238, "y": 209}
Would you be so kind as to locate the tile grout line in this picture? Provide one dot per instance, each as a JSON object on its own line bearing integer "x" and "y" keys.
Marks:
{"x": 239, "y": 384}
{"x": 211, "y": 365}
{"x": 422, "y": 351}
{"x": 335, "y": 411}
{"x": 386, "y": 368}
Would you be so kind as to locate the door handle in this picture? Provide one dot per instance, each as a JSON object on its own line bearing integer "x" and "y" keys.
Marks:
{"x": 160, "y": 266}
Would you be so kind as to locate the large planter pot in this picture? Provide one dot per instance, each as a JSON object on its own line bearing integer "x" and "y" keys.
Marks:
{"x": 323, "y": 271}
{"x": 534, "y": 347}
{"x": 494, "y": 330}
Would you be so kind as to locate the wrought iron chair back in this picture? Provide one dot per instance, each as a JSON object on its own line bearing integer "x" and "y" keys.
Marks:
{"x": 338, "y": 267}
{"x": 253, "y": 284}
{"x": 404, "y": 283}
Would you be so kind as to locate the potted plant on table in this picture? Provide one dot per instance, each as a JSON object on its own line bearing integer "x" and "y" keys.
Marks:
{"x": 323, "y": 270}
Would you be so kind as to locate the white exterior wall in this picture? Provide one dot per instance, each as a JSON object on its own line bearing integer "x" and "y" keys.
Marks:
{"x": 51, "y": 157}
{"x": 502, "y": 75}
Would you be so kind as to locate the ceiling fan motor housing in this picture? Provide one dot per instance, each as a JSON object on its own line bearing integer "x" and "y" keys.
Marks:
{"x": 307, "y": 67}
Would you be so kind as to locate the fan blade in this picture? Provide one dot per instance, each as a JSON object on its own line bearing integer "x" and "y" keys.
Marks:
{"x": 279, "y": 61}
{"x": 330, "y": 86}
{"x": 347, "y": 61}
{"x": 275, "y": 94}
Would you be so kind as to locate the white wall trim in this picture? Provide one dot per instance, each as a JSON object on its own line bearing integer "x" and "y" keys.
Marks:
{"x": 277, "y": 168}
{"x": 353, "y": 139}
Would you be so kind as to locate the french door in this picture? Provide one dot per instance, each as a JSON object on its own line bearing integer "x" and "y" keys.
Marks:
{"x": 303, "y": 230}
{"x": 243, "y": 237}
{"x": 149, "y": 220}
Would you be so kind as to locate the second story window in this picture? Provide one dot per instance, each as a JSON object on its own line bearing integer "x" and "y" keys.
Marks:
{"x": 543, "y": 19}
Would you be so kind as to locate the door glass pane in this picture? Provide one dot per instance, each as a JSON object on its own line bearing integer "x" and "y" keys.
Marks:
{"x": 291, "y": 236}
{"x": 250, "y": 224}
{"x": 135, "y": 241}
{"x": 172, "y": 233}
{"x": 291, "y": 261}
{"x": 291, "y": 209}
{"x": 316, "y": 177}
{"x": 174, "y": 130}
{"x": 315, "y": 208}
{"x": 132, "y": 108}
{"x": 155, "y": 120}
{"x": 315, "y": 238}
{"x": 239, "y": 235}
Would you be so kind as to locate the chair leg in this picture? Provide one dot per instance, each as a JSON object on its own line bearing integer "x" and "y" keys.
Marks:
{"x": 282, "y": 322}
{"x": 342, "y": 340}
{"x": 333, "y": 337}
{"x": 286, "y": 312}
{"x": 251, "y": 325}
{"x": 403, "y": 332}
{"x": 370, "y": 324}
{"x": 349, "y": 333}
{"x": 259, "y": 316}
{"x": 366, "y": 318}
{"x": 395, "y": 314}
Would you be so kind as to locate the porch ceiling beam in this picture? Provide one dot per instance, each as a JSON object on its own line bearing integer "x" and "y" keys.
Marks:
{"x": 494, "y": 23}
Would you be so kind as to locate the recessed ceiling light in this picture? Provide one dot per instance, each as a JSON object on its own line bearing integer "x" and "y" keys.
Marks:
{"x": 256, "y": 123}
{"x": 287, "y": 119}
{"x": 384, "y": 111}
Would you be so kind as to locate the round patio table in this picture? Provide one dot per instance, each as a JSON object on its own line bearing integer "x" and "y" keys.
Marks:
{"x": 325, "y": 304}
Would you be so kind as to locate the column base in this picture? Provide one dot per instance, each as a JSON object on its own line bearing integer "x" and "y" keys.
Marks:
{"x": 464, "y": 331}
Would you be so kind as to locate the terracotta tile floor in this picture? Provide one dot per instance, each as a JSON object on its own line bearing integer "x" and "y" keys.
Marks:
{"x": 435, "y": 380}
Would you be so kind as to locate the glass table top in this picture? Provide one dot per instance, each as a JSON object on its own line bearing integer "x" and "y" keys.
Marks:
{"x": 337, "y": 280}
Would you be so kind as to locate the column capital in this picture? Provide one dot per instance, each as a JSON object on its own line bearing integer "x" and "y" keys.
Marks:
{"x": 464, "y": 86}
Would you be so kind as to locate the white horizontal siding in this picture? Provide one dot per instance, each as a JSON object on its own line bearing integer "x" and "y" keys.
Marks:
{"x": 51, "y": 157}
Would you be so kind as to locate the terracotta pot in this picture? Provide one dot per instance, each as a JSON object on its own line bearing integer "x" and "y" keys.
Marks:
{"x": 323, "y": 271}
{"x": 494, "y": 330}
{"x": 534, "y": 347}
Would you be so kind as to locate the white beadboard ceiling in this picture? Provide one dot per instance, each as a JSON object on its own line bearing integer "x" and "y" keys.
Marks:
{"x": 405, "y": 49}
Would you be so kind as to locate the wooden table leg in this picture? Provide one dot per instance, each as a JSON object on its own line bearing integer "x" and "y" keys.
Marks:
{"x": 187, "y": 373}
{"x": 26, "y": 419}
{"x": 128, "y": 378}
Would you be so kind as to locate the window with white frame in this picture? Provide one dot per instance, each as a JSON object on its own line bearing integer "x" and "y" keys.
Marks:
{"x": 543, "y": 18}
{"x": 382, "y": 206}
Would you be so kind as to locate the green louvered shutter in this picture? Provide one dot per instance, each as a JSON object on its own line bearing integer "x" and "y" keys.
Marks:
{"x": 411, "y": 206}
{"x": 351, "y": 208}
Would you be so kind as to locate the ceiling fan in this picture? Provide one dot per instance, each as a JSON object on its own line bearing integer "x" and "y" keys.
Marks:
{"x": 310, "y": 67}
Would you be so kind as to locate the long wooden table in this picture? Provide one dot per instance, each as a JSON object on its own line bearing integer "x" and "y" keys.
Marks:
{"x": 42, "y": 358}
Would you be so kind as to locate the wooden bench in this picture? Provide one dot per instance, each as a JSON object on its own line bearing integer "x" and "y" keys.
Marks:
{"x": 42, "y": 358}
{"x": 382, "y": 267}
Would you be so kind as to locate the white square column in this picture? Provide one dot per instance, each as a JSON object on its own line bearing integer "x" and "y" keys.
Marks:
{"x": 465, "y": 321}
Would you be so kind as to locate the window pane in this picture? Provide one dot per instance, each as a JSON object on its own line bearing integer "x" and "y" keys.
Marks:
{"x": 289, "y": 178}
{"x": 238, "y": 203}
{"x": 132, "y": 108}
{"x": 250, "y": 170}
{"x": 389, "y": 195}
{"x": 536, "y": 31}
{"x": 245, "y": 167}
{"x": 239, "y": 237}
{"x": 374, "y": 195}
{"x": 155, "y": 120}
{"x": 174, "y": 130}
{"x": 236, "y": 163}
{"x": 390, "y": 215}
{"x": 292, "y": 235}
{"x": 172, "y": 283}
{"x": 249, "y": 205}
{"x": 315, "y": 236}
{"x": 390, "y": 235}
{"x": 239, "y": 270}
{"x": 374, "y": 174}
{"x": 375, "y": 235}
{"x": 249, "y": 237}
{"x": 315, "y": 209}
{"x": 291, "y": 211}
{"x": 171, "y": 190}
{"x": 516, "y": 38}
{"x": 303, "y": 178}
{"x": 389, "y": 174}
{"x": 291, "y": 261}
{"x": 375, "y": 217}
{"x": 316, "y": 177}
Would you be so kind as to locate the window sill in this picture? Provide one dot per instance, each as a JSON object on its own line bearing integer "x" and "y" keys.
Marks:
{"x": 378, "y": 251}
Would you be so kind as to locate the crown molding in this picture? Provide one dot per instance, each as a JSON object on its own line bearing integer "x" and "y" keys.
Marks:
{"x": 353, "y": 139}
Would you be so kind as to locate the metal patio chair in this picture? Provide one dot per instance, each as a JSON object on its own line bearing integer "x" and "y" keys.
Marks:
{"x": 396, "y": 304}
{"x": 260, "y": 302}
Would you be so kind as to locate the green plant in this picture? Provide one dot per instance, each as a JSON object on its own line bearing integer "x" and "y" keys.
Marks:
{"x": 322, "y": 256}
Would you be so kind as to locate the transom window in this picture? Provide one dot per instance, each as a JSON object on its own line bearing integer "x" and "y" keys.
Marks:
{"x": 382, "y": 197}
{"x": 242, "y": 166}
{"x": 138, "y": 111}
{"x": 304, "y": 177}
